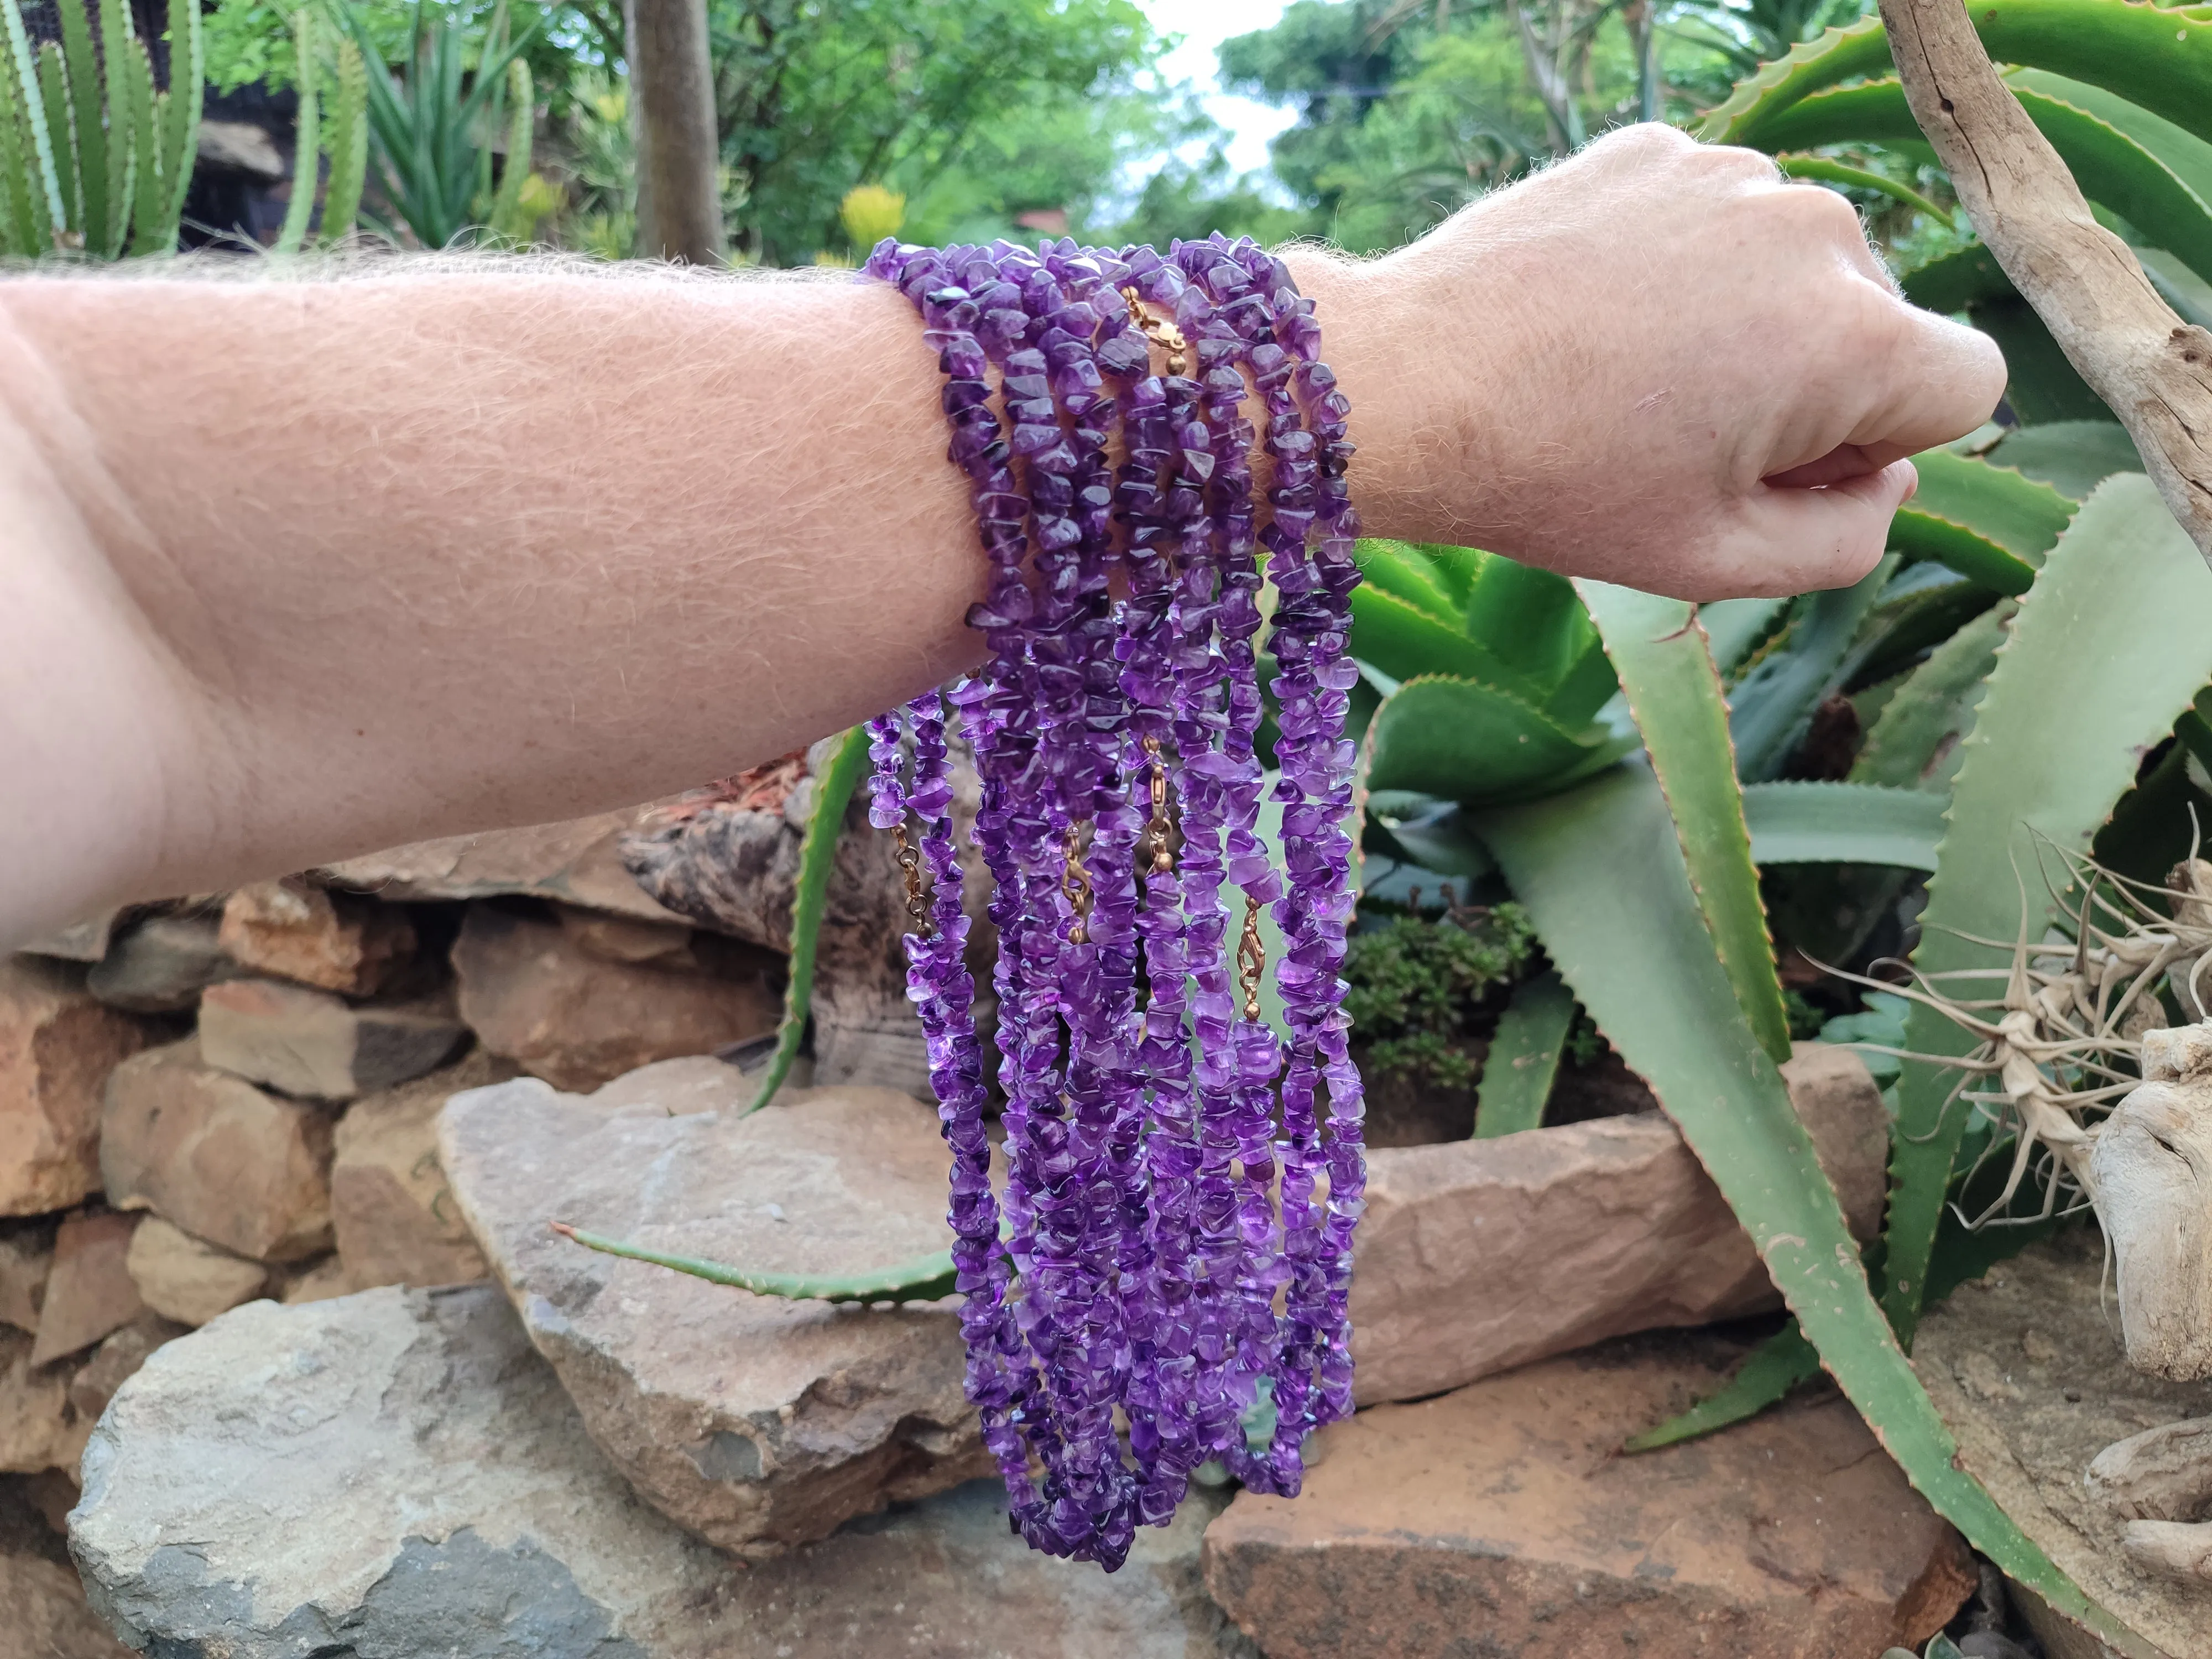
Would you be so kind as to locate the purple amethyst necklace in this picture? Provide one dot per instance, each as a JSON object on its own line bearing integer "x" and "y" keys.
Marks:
{"x": 1164, "y": 1250}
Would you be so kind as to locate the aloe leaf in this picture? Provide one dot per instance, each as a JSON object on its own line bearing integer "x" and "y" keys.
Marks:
{"x": 1524, "y": 1057}
{"x": 307, "y": 150}
{"x": 1926, "y": 605}
{"x": 2107, "y": 648}
{"x": 1779, "y": 1364}
{"x": 1442, "y": 842}
{"x": 146, "y": 107}
{"x": 19, "y": 183}
{"x": 2159, "y": 58}
{"x": 1460, "y": 740}
{"x": 87, "y": 116}
{"x": 1675, "y": 693}
{"x": 1773, "y": 706}
{"x": 1950, "y": 282}
{"x": 1405, "y": 641}
{"x": 181, "y": 124}
{"x": 1634, "y": 948}
{"x": 1915, "y": 743}
{"x": 114, "y": 227}
{"x": 2072, "y": 457}
{"x": 1457, "y": 568}
{"x": 1531, "y": 619}
{"x": 924, "y": 1278}
{"x": 1400, "y": 570}
{"x": 1822, "y": 170}
{"x": 818, "y": 858}
{"x": 61, "y": 126}
{"x": 46, "y": 201}
{"x": 2017, "y": 514}
{"x": 1734, "y": 628}
{"x": 1843, "y": 823}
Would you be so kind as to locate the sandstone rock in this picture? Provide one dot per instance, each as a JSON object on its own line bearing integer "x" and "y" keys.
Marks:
{"x": 90, "y": 1291}
{"x": 311, "y": 1042}
{"x": 39, "y": 1429}
{"x": 161, "y": 965}
{"x": 186, "y": 1279}
{"x": 43, "y": 1611}
{"x": 1475, "y": 1256}
{"x": 57, "y": 1044}
{"x": 114, "y": 1363}
{"x": 576, "y": 1019}
{"x": 83, "y": 941}
{"x": 396, "y": 1474}
{"x": 626, "y": 938}
{"x": 757, "y": 1422}
{"x": 297, "y": 930}
{"x": 26, "y": 1254}
{"x": 577, "y": 862}
{"x": 223, "y": 1159}
{"x": 2028, "y": 1368}
{"x": 51, "y": 1494}
{"x": 1500, "y": 1519}
{"x": 323, "y": 1281}
{"x": 397, "y": 1223}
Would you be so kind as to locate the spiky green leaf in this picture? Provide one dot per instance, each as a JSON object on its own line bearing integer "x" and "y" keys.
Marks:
{"x": 1524, "y": 1057}
{"x": 1461, "y": 740}
{"x": 1843, "y": 823}
{"x": 924, "y": 1278}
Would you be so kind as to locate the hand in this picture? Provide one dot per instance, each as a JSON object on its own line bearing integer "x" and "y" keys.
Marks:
{"x": 1658, "y": 362}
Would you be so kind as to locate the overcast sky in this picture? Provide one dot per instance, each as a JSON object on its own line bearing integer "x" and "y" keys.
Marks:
{"x": 1204, "y": 25}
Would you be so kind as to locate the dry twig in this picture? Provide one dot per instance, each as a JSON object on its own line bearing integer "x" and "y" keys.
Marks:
{"x": 2154, "y": 370}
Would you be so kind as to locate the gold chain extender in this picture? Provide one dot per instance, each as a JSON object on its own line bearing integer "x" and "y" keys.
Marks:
{"x": 1160, "y": 330}
{"x": 1076, "y": 886}
{"x": 1158, "y": 827}
{"x": 1251, "y": 958}
{"x": 909, "y": 862}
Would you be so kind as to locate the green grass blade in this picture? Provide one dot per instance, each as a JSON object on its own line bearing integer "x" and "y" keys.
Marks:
{"x": 349, "y": 147}
{"x": 923, "y": 1280}
{"x": 1843, "y": 823}
{"x": 1821, "y": 170}
{"x": 1675, "y": 693}
{"x": 306, "y": 152}
{"x": 1524, "y": 1057}
{"x": 46, "y": 201}
{"x": 2109, "y": 647}
{"x": 87, "y": 122}
{"x": 818, "y": 858}
{"x": 1634, "y": 948}
{"x": 1779, "y": 1364}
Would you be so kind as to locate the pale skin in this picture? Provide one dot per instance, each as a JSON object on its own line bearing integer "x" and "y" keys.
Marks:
{"x": 295, "y": 570}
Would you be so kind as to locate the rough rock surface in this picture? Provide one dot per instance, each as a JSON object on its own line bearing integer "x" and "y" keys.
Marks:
{"x": 397, "y": 1223}
{"x": 43, "y": 1612}
{"x": 532, "y": 992}
{"x": 89, "y": 1291}
{"x": 58, "y": 1044}
{"x": 757, "y": 1422}
{"x": 1478, "y": 1255}
{"x": 224, "y": 1160}
{"x": 297, "y": 930}
{"x": 396, "y": 1475}
{"x": 1500, "y": 1519}
{"x": 575, "y": 862}
{"x": 39, "y": 1429}
{"x": 161, "y": 965}
{"x": 2027, "y": 1368}
{"x": 306, "y": 1042}
{"x": 26, "y": 1254}
{"x": 186, "y": 1279}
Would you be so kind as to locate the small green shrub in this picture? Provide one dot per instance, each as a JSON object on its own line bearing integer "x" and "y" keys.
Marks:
{"x": 1418, "y": 984}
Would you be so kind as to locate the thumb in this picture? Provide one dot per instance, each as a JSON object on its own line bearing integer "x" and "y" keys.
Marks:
{"x": 1789, "y": 539}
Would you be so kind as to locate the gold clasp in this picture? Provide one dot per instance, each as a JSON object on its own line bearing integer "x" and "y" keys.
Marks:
{"x": 1159, "y": 829}
{"x": 910, "y": 861}
{"x": 1160, "y": 330}
{"x": 1077, "y": 887}
{"x": 1251, "y": 958}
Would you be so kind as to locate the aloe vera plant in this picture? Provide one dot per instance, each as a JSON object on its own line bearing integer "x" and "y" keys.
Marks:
{"x": 94, "y": 157}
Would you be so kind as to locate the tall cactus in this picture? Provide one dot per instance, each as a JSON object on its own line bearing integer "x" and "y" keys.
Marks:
{"x": 348, "y": 144}
{"x": 346, "y": 139}
{"x": 93, "y": 158}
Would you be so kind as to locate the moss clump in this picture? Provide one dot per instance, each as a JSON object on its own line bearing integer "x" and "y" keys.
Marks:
{"x": 1417, "y": 985}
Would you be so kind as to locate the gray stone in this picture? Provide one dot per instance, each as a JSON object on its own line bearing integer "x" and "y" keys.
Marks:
{"x": 306, "y": 1041}
{"x": 756, "y": 1421}
{"x": 396, "y": 1476}
{"x": 575, "y": 862}
{"x": 161, "y": 965}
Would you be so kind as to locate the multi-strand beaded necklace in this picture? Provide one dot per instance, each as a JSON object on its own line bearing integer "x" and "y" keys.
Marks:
{"x": 1174, "y": 1232}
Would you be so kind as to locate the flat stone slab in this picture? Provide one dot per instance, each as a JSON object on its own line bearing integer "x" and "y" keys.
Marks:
{"x": 757, "y": 1422}
{"x": 395, "y": 1475}
{"x": 2027, "y": 1367}
{"x": 1502, "y": 1520}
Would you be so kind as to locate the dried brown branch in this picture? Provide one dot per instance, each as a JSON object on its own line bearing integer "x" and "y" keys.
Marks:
{"x": 2154, "y": 370}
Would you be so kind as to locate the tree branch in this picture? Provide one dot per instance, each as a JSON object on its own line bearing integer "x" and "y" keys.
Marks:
{"x": 2154, "y": 370}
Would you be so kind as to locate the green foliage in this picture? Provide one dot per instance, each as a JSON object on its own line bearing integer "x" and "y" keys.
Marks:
{"x": 1535, "y": 1031}
{"x": 433, "y": 170}
{"x": 924, "y": 1278}
{"x": 818, "y": 858}
{"x": 94, "y": 161}
{"x": 1416, "y": 984}
{"x": 344, "y": 136}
